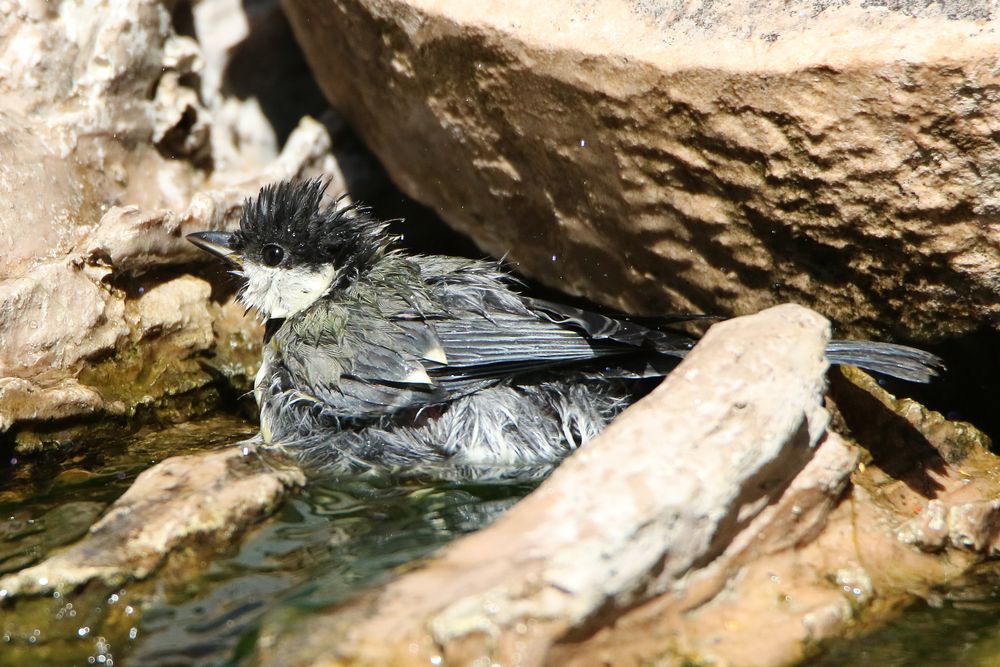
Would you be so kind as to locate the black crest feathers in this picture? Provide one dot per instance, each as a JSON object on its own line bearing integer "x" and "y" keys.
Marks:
{"x": 294, "y": 215}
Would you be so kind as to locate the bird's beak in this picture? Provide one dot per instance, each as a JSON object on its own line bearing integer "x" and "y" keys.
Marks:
{"x": 217, "y": 243}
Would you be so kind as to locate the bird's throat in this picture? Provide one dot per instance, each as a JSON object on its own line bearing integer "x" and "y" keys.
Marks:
{"x": 278, "y": 292}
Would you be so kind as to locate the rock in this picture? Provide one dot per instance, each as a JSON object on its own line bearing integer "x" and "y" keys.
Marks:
{"x": 45, "y": 208}
{"x": 929, "y": 530}
{"x": 54, "y": 316}
{"x": 201, "y": 502}
{"x": 257, "y": 107}
{"x": 846, "y": 573}
{"x": 664, "y": 491}
{"x": 664, "y": 157}
{"x": 176, "y": 307}
{"x": 73, "y": 345}
{"x": 25, "y": 401}
{"x": 108, "y": 157}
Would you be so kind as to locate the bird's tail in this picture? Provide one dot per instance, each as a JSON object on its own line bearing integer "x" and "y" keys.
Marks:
{"x": 900, "y": 361}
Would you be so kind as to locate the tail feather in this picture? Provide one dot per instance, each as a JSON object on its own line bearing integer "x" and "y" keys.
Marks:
{"x": 900, "y": 361}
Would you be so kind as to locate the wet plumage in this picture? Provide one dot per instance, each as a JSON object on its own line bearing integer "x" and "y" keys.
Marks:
{"x": 373, "y": 356}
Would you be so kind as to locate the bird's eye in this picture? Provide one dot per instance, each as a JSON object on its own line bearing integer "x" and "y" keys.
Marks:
{"x": 272, "y": 254}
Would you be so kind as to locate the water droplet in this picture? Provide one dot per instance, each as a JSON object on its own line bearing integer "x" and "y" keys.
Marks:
{"x": 83, "y": 632}
{"x": 133, "y": 633}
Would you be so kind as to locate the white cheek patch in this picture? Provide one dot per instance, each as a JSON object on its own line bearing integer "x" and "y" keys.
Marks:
{"x": 278, "y": 292}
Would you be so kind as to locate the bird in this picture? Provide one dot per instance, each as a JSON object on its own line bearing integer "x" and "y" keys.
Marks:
{"x": 373, "y": 356}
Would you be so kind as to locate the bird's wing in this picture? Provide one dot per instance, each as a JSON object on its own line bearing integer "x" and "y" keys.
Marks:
{"x": 619, "y": 329}
{"x": 360, "y": 365}
{"x": 377, "y": 364}
{"x": 504, "y": 344}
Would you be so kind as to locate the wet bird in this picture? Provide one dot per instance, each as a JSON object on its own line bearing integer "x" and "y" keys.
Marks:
{"x": 377, "y": 357}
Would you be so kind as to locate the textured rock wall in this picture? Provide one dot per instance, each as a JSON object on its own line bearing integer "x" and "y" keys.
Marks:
{"x": 120, "y": 132}
{"x": 720, "y": 157}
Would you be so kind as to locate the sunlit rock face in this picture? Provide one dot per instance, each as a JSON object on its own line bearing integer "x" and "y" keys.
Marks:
{"x": 719, "y": 157}
{"x": 45, "y": 206}
{"x": 125, "y": 125}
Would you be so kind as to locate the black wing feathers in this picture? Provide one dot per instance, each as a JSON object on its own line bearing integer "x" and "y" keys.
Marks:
{"x": 601, "y": 327}
{"x": 906, "y": 363}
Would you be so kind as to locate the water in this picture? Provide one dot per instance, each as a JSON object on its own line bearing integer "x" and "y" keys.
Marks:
{"x": 328, "y": 541}
{"x": 925, "y": 636}
{"x": 324, "y": 545}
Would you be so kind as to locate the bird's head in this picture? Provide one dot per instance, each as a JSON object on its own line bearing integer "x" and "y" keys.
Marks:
{"x": 292, "y": 247}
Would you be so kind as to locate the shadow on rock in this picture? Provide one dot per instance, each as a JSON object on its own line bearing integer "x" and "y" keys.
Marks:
{"x": 896, "y": 446}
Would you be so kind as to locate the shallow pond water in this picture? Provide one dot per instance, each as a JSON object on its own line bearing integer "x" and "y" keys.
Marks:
{"x": 953, "y": 634}
{"x": 326, "y": 542}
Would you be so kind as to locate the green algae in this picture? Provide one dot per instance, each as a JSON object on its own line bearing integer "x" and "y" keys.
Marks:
{"x": 150, "y": 382}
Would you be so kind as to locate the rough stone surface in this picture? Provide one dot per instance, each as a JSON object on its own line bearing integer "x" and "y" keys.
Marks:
{"x": 123, "y": 127}
{"x": 719, "y": 157}
{"x": 677, "y": 478}
{"x": 55, "y": 216}
{"x": 201, "y": 501}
